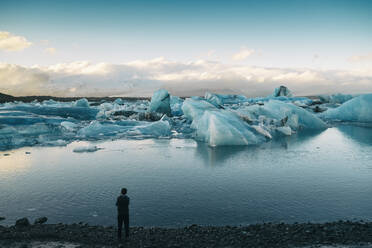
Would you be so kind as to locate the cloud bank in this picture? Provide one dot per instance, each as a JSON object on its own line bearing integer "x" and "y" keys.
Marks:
{"x": 10, "y": 42}
{"x": 141, "y": 78}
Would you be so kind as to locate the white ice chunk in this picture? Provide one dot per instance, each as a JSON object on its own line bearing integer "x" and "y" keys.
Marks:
{"x": 90, "y": 148}
{"x": 160, "y": 102}
{"x": 70, "y": 126}
{"x": 261, "y": 129}
{"x": 358, "y": 109}
{"x": 286, "y": 130}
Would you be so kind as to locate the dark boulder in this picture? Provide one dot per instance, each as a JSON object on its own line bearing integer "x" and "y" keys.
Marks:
{"x": 22, "y": 222}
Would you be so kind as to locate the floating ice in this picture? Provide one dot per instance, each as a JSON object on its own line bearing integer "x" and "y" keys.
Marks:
{"x": 335, "y": 98}
{"x": 293, "y": 116}
{"x": 358, "y": 109}
{"x": 82, "y": 103}
{"x": 90, "y": 148}
{"x": 70, "y": 126}
{"x": 160, "y": 102}
{"x": 219, "y": 100}
{"x": 176, "y": 105}
{"x": 282, "y": 91}
{"x": 219, "y": 127}
{"x": 118, "y": 101}
{"x": 98, "y": 130}
{"x": 215, "y": 119}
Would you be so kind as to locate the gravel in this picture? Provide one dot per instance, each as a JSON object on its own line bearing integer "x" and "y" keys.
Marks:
{"x": 333, "y": 234}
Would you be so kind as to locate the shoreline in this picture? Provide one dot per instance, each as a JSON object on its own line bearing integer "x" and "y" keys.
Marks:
{"x": 255, "y": 235}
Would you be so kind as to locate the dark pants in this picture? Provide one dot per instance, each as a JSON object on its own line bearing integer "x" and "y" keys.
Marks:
{"x": 125, "y": 219}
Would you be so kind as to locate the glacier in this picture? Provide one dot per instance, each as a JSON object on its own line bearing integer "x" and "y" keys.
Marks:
{"x": 216, "y": 119}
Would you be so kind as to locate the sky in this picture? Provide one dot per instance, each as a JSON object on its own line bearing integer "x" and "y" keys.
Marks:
{"x": 77, "y": 48}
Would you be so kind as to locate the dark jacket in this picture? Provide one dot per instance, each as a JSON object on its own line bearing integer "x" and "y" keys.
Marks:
{"x": 123, "y": 205}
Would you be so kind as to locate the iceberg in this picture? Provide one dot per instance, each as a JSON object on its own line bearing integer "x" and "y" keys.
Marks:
{"x": 219, "y": 100}
{"x": 216, "y": 119}
{"x": 275, "y": 111}
{"x": 79, "y": 113}
{"x": 160, "y": 102}
{"x": 176, "y": 105}
{"x": 219, "y": 127}
{"x": 82, "y": 103}
{"x": 101, "y": 130}
{"x": 335, "y": 98}
{"x": 358, "y": 109}
{"x": 282, "y": 91}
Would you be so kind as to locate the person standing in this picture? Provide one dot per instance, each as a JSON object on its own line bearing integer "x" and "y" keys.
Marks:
{"x": 122, "y": 204}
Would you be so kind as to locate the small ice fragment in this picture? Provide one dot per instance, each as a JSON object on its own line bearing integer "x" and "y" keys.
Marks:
{"x": 119, "y": 101}
{"x": 86, "y": 149}
{"x": 69, "y": 125}
{"x": 82, "y": 103}
{"x": 285, "y": 130}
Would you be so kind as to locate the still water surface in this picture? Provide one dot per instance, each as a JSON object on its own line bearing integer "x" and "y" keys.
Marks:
{"x": 309, "y": 177}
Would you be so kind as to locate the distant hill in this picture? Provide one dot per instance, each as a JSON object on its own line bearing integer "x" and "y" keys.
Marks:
{"x": 8, "y": 98}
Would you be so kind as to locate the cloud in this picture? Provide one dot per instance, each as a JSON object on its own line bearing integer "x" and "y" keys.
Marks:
{"x": 50, "y": 50}
{"x": 360, "y": 58}
{"x": 243, "y": 54}
{"x": 10, "y": 42}
{"x": 142, "y": 77}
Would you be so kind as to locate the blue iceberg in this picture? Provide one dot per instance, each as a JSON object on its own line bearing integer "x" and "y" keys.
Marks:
{"x": 358, "y": 109}
{"x": 160, "y": 102}
{"x": 219, "y": 127}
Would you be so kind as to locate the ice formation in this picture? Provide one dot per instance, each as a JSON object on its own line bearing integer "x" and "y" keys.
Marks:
{"x": 219, "y": 127}
{"x": 215, "y": 118}
{"x": 335, "y": 98}
{"x": 90, "y": 148}
{"x": 282, "y": 91}
{"x": 160, "y": 102}
{"x": 287, "y": 114}
{"x": 358, "y": 109}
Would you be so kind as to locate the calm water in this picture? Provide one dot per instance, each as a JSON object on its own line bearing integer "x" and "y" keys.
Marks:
{"x": 310, "y": 177}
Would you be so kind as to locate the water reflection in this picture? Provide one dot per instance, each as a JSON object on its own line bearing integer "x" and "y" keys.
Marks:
{"x": 362, "y": 135}
{"x": 217, "y": 156}
{"x": 14, "y": 162}
{"x": 310, "y": 176}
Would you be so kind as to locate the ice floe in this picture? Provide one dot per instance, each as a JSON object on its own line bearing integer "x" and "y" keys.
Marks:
{"x": 216, "y": 119}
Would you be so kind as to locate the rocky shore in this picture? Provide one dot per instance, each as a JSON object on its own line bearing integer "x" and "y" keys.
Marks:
{"x": 342, "y": 233}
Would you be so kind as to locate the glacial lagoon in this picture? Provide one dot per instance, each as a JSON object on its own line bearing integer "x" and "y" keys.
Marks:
{"x": 315, "y": 176}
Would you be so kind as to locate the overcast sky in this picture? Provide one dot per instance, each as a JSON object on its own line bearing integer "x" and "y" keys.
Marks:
{"x": 133, "y": 47}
